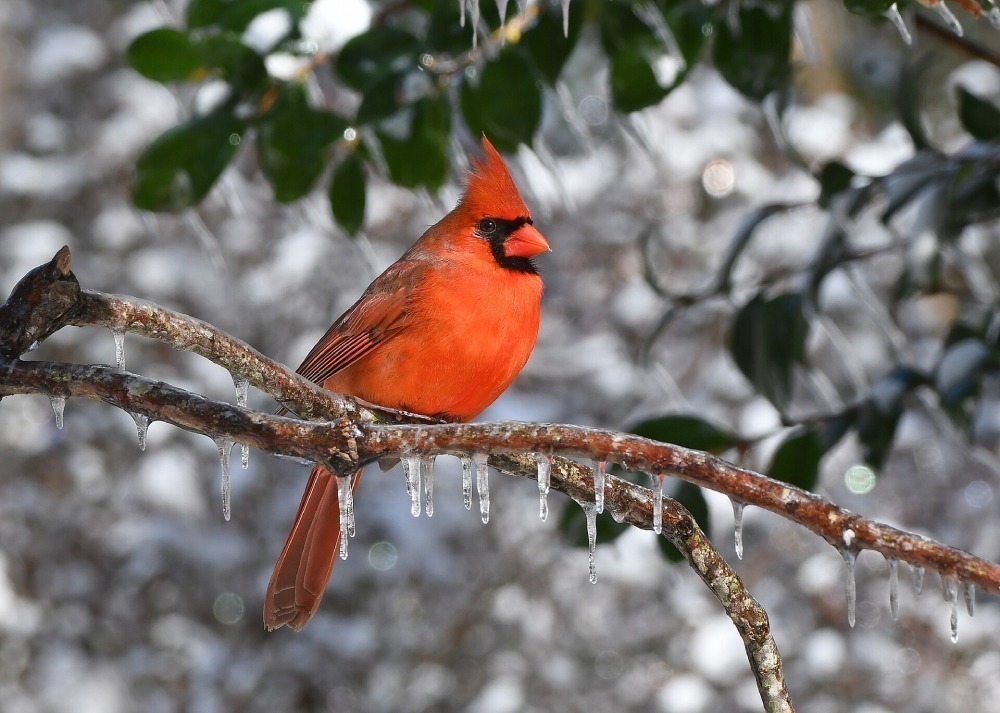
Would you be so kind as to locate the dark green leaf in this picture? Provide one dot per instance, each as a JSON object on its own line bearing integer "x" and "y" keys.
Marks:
{"x": 686, "y": 431}
{"x": 979, "y": 117}
{"x": 797, "y": 459}
{"x": 382, "y": 100}
{"x": 621, "y": 27}
{"x": 179, "y": 167}
{"x": 752, "y": 52}
{"x": 291, "y": 141}
{"x": 419, "y": 157}
{"x": 347, "y": 194}
{"x": 545, "y": 43}
{"x": 869, "y": 8}
{"x": 767, "y": 340}
{"x": 238, "y": 64}
{"x": 691, "y": 497}
{"x": 834, "y": 178}
{"x": 911, "y": 82}
{"x": 633, "y": 83}
{"x": 573, "y": 526}
{"x": 371, "y": 56}
{"x": 879, "y": 415}
{"x": 507, "y": 103}
{"x": 235, "y": 15}
{"x": 446, "y": 34}
{"x": 164, "y": 55}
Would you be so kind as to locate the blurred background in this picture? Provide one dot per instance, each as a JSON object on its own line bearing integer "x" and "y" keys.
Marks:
{"x": 122, "y": 588}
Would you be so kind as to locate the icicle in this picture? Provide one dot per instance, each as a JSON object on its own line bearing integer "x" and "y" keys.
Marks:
{"x": 949, "y": 18}
{"x": 119, "y": 334}
{"x": 600, "y": 469}
{"x": 522, "y": 8}
{"x": 544, "y": 471}
{"x": 141, "y": 426}
{"x": 950, "y": 587}
{"x": 58, "y": 406}
{"x": 893, "y": 14}
{"x": 894, "y": 588}
{"x": 461, "y": 13}
{"x": 850, "y": 558}
{"x": 411, "y": 469}
{"x": 225, "y": 447}
{"x": 467, "y": 482}
{"x": 483, "y": 484}
{"x": 994, "y": 17}
{"x": 502, "y": 9}
{"x": 475, "y": 23}
{"x": 658, "y": 503}
{"x": 969, "y": 592}
{"x": 591, "y": 512}
{"x": 738, "y": 527}
{"x": 345, "y": 498}
{"x": 242, "y": 394}
{"x": 565, "y": 11}
{"x": 918, "y": 579}
{"x": 427, "y": 464}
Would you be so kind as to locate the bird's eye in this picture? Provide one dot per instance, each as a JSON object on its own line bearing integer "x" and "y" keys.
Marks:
{"x": 487, "y": 226}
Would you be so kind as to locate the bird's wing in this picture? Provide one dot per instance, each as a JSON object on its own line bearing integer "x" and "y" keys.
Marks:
{"x": 382, "y": 312}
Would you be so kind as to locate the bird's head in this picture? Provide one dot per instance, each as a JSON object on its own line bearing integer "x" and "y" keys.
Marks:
{"x": 498, "y": 214}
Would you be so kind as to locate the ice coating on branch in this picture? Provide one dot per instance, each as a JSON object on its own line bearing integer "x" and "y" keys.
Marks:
{"x": 894, "y": 588}
{"x": 225, "y": 447}
{"x": 969, "y": 593}
{"x": 467, "y": 482}
{"x": 600, "y": 470}
{"x": 58, "y": 406}
{"x": 950, "y": 587}
{"x": 411, "y": 469}
{"x": 544, "y": 471}
{"x": 949, "y": 18}
{"x": 481, "y": 461}
{"x": 850, "y": 558}
{"x": 427, "y": 465}
{"x": 591, "y": 512}
{"x": 345, "y": 498}
{"x": 119, "y": 335}
{"x": 242, "y": 394}
{"x": 893, "y": 14}
{"x": 918, "y": 579}
{"x": 565, "y": 12}
{"x": 141, "y": 427}
{"x": 738, "y": 508}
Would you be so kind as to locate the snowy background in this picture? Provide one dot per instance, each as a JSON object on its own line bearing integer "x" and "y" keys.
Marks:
{"x": 122, "y": 588}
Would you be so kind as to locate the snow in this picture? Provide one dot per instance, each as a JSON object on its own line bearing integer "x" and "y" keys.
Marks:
{"x": 331, "y": 23}
{"x": 62, "y": 51}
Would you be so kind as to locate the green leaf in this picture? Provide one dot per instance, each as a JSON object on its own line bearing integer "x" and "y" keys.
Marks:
{"x": 978, "y": 116}
{"x": 691, "y": 497}
{"x": 238, "y": 64}
{"x": 419, "y": 157}
{"x": 573, "y": 526}
{"x": 445, "y": 34}
{"x": 767, "y": 339}
{"x": 834, "y": 179}
{"x": 507, "y": 103}
{"x": 372, "y": 55}
{"x": 545, "y": 43}
{"x": 235, "y": 15}
{"x": 797, "y": 459}
{"x": 752, "y": 52}
{"x": 687, "y": 431}
{"x": 633, "y": 83}
{"x": 347, "y": 194}
{"x": 180, "y": 167}
{"x": 382, "y": 99}
{"x": 879, "y": 415}
{"x": 291, "y": 141}
{"x": 164, "y": 55}
{"x": 869, "y": 8}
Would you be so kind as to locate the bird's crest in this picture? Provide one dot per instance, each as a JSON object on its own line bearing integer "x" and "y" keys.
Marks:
{"x": 489, "y": 189}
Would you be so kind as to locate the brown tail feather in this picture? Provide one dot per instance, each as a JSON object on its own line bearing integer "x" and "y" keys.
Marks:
{"x": 306, "y": 561}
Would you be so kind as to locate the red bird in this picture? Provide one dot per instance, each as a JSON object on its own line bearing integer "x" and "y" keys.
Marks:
{"x": 442, "y": 332}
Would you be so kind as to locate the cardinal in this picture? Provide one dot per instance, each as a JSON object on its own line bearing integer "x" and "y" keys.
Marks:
{"x": 442, "y": 333}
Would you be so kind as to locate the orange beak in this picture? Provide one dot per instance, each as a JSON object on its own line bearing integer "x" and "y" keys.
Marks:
{"x": 525, "y": 242}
